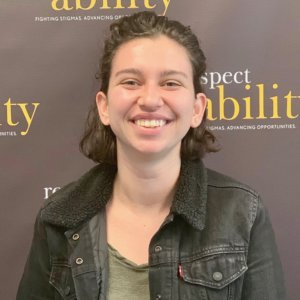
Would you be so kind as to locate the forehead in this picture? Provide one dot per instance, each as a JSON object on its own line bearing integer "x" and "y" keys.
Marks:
{"x": 158, "y": 53}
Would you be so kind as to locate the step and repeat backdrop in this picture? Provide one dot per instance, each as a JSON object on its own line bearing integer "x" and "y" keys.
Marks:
{"x": 49, "y": 52}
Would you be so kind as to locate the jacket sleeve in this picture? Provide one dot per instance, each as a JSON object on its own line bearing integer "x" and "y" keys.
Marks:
{"x": 263, "y": 279}
{"x": 35, "y": 280}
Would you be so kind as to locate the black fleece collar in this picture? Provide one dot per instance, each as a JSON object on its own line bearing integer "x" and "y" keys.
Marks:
{"x": 77, "y": 202}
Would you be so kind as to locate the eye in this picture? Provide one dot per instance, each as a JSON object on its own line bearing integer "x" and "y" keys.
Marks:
{"x": 130, "y": 82}
{"x": 171, "y": 84}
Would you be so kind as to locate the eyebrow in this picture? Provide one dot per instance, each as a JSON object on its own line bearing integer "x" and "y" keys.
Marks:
{"x": 129, "y": 71}
{"x": 173, "y": 72}
{"x": 162, "y": 74}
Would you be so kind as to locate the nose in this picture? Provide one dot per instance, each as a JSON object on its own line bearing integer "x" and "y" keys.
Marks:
{"x": 150, "y": 98}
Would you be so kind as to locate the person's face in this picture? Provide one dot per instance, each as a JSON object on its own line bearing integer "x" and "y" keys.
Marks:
{"x": 150, "y": 104}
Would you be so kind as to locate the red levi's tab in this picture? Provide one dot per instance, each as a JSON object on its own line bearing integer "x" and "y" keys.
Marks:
{"x": 180, "y": 271}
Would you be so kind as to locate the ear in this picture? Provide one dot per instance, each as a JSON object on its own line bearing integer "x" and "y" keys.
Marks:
{"x": 102, "y": 106}
{"x": 199, "y": 109}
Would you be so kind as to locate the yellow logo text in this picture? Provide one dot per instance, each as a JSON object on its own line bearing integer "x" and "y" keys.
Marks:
{"x": 68, "y": 5}
{"x": 18, "y": 115}
{"x": 261, "y": 107}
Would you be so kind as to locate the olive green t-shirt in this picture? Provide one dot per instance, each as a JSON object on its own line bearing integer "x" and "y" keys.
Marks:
{"x": 127, "y": 280}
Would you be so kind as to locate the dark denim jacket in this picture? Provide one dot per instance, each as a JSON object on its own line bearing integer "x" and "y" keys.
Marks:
{"x": 216, "y": 244}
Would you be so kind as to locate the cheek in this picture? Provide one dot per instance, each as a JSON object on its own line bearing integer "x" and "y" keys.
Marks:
{"x": 119, "y": 104}
{"x": 115, "y": 111}
{"x": 184, "y": 106}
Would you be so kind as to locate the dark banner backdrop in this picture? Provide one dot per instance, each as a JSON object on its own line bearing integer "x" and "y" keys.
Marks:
{"x": 49, "y": 52}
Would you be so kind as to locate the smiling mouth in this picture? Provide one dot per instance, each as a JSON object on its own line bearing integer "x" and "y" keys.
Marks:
{"x": 150, "y": 123}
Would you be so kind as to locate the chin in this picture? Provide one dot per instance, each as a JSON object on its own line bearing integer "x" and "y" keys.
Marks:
{"x": 152, "y": 151}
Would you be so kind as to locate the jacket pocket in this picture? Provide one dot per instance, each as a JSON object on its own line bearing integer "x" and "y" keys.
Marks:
{"x": 61, "y": 279}
{"x": 217, "y": 274}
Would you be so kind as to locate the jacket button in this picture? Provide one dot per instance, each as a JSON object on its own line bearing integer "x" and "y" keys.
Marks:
{"x": 158, "y": 297}
{"x": 157, "y": 248}
{"x": 67, "y": 290}
{"x": 75, "y": 237}
{"x": 217, "y": 276}
{"x": 79, "y": 261}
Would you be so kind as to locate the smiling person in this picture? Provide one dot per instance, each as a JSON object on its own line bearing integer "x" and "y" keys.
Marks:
{"x": 150, "y": 221}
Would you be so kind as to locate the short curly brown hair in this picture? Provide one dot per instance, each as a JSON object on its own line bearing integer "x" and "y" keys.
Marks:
{"x": 99, "y": 142}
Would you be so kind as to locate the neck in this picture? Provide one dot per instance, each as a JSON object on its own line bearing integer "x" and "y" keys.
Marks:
{"x": 147, "y": 184}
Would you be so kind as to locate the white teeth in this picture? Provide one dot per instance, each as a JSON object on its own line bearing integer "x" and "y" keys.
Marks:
{"x": 150, "y": 123}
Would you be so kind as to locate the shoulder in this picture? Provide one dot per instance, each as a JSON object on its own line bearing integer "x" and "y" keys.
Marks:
{"x": 232, "y": 196}
{"x": 80, "y": 200}
{"x": 220, "y": 181}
